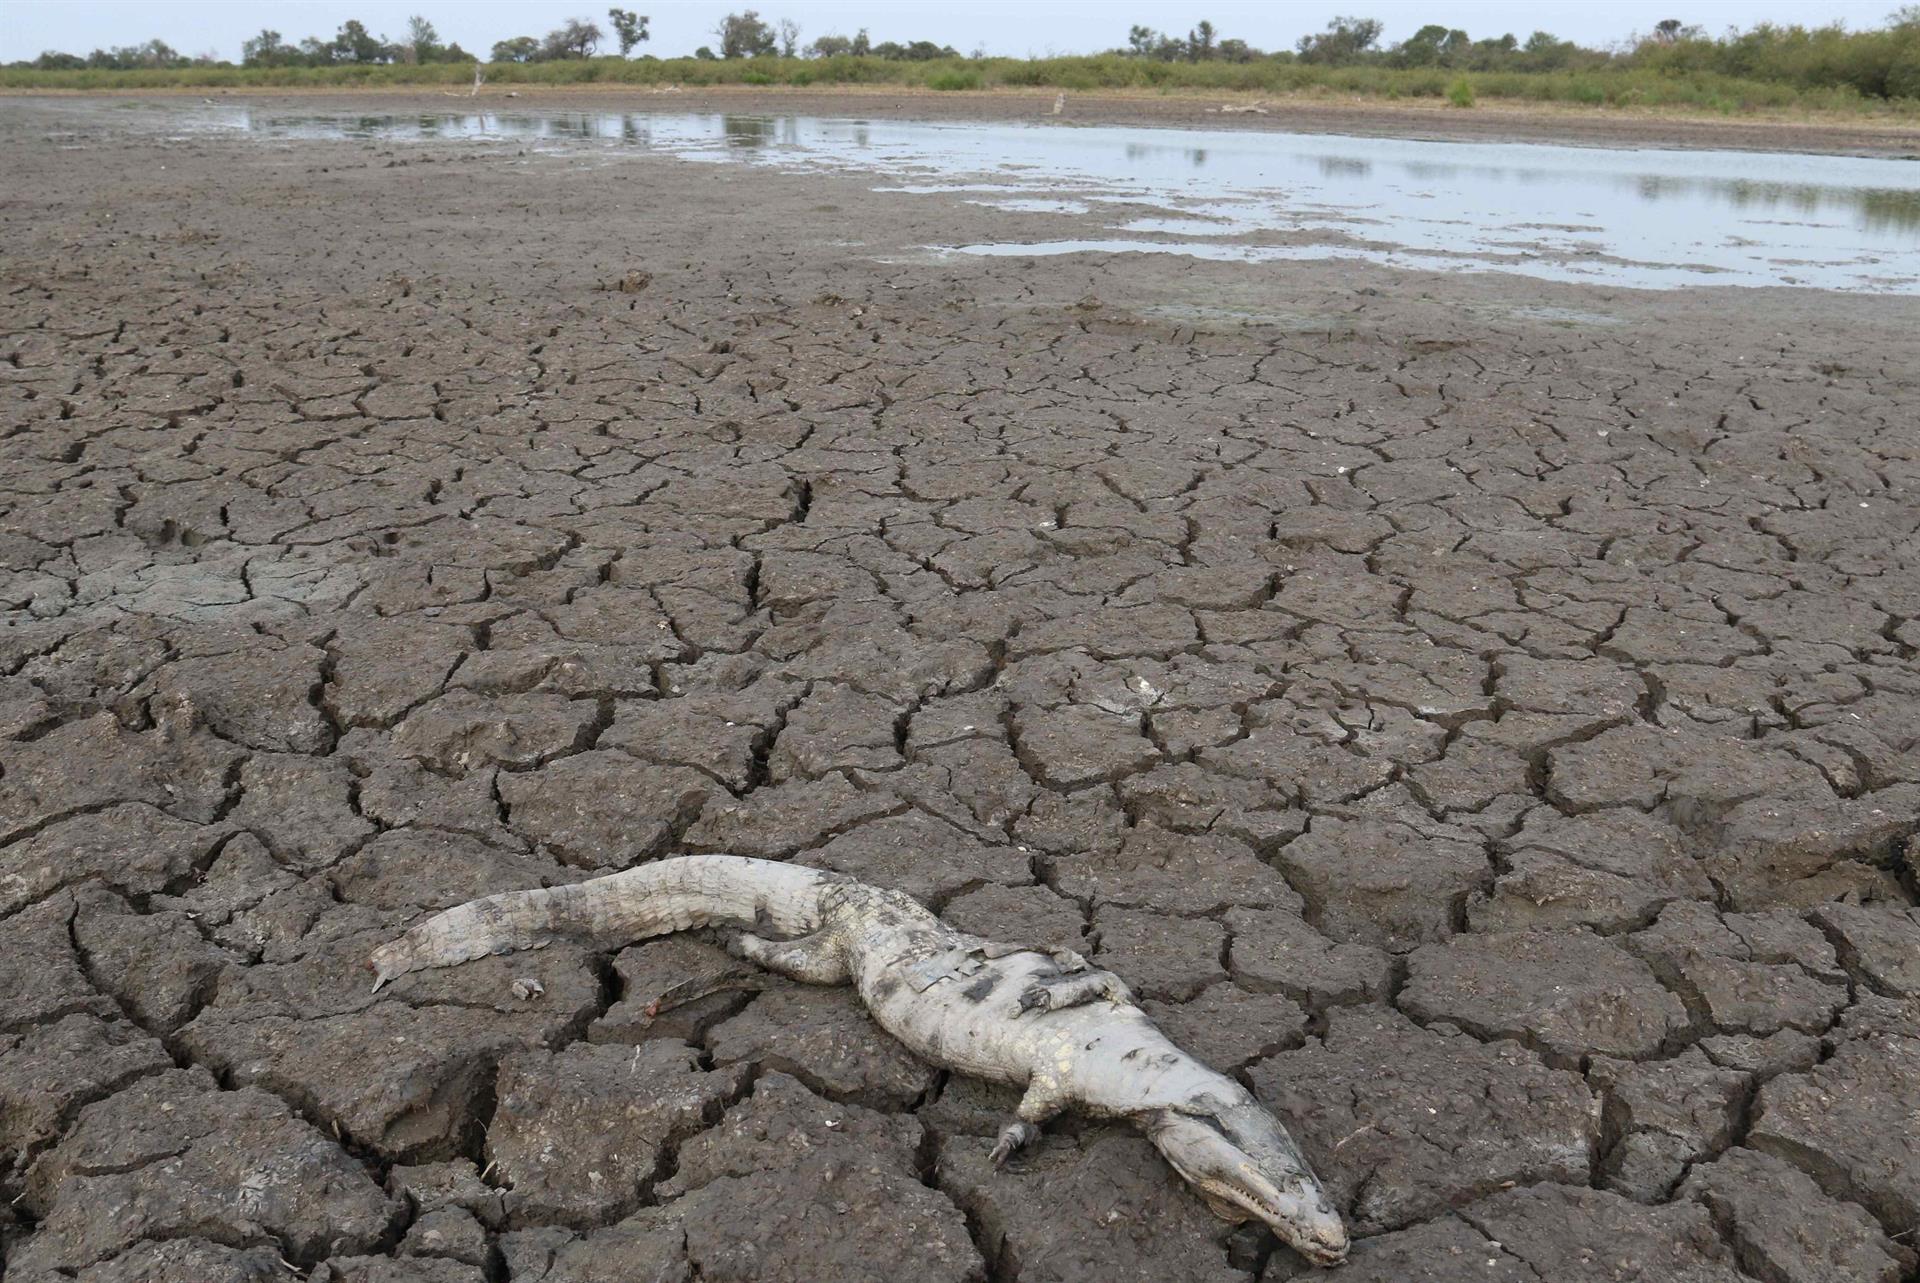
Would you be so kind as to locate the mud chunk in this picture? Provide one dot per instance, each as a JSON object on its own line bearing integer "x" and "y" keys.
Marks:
{"x": 257, "y": 695}
{"x": 1764, "y": 1057}
{"x": 1384, "y": 884}
{"x": 603, "y": 810}
{"x": 1159, "y": 956}
{"x": 1667, "y": 1114}
{"x": 1833, "y": 1123}
{"x": 461, "y": 731}
{"x": 301, "y": 807}
{"x": 1748, "y": 973}
{"x": 158, "y": 966}
{"x": 1596, "y": 687}
{"x": 1276, "y": 950}
{"x": 1700, "y": 777}
{"x": 384, "y": 667}
{"x": 1443, "y": 1251}
{"x": 383, "y": 1269}
{"x": 1570, "y": 995}
{"x": 1805, "y": 850}
{"x": 449, "y": 1232}
{"x": 813, "y": 1170}
{"x": 1186, "y": 798}
{"x": 96, "y": 762}
{"x": 412, "y": 1089}
{"x": 1473, "y": 773}
{"x": 432, "y": 1187}
{"x": 1607, "y": 870}
{"x": 49, "y": 1071}
{"x": 399, "y": 792}
{"x": 171, "y": 1154}
{"x": 578, "y": 1133}
{"x": 1784, "y": 1229}
{"x": 1081, "y": 744}
{"x": 824, "y": 1038}
{"x": 1589, "y": 1236}
{"x": 40, "y": 972}
{"x": 676, "y": 987}
{"x": 777, "y": 820}
{"x": 924, "y": 857}
{"x": 783, "y": 1127}
{"x": 428, "y": 869}
{"x": 1405, "y": 1122}
{"x": 1652, "y": 636}
{"x": 1175, "y": 873}
{"x": 835, "y": 729}
{"x": 1103, "y": 1206}
{"x": 713, "y": 731}
{"x": 1303, "y": 768}
{"x": 1117, "y": 632}
{"x": 1032, "y": 915}
{"x": 1879, "y": 944}
{"x": 188, "y": 1260}
{"x": 1227, "y": 1027}
{"x": 134, "y": 847}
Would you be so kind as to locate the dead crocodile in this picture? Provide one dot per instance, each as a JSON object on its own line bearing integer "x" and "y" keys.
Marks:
{"x": 1040, "y": 1019}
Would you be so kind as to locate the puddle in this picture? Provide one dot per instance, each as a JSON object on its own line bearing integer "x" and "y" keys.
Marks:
{"x": 1643, "y": 219}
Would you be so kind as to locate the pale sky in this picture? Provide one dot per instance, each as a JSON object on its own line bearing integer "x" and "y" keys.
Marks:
{"x": 1013, "y": 27}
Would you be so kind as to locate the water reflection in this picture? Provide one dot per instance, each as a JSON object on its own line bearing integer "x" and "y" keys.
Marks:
{"x": 1718, "y": 217}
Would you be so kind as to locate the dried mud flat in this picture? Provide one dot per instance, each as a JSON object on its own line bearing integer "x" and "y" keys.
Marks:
{"x": 1480, "y": 713}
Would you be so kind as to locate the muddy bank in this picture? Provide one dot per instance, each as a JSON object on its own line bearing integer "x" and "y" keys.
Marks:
{"x": 385, "y": 526}
{"x": 1491, "y": 121}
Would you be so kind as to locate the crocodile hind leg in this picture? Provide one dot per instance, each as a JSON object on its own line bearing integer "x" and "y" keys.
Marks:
{"x": 815, "y": 959}
{"x": 1042, "y": 1101}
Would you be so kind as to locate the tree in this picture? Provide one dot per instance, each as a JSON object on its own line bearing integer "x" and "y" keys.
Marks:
{"x": 518, "y": 49}
{"x": 1667, "y": 30}
{"x": 266, "y": 50}
{"x": 744, "y": 35}
{"x": 706, "y": 54}
{"x": 628, "y": 27}
{"x": 423, "y": 42}
{"x": 830, "y": 47}
{"x": 789, "y": 38}
{"x": 1140, "y": 40}
{"x": 1344, "y": 40}
{"x": 576, "y": 38}
{"x": 354, "y": 43}
{"x": 1200, "y": 42}
{"x": 861, "y": 45}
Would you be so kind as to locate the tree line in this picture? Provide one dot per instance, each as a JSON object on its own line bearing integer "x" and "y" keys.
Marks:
{"x": 1877, "y": 63}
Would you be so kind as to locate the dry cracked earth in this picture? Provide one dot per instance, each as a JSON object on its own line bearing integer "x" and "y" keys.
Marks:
{"x": 1479, "y": 714}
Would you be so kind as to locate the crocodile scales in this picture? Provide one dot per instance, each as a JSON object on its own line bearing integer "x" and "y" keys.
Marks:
{"x": 1044, "y": 1020}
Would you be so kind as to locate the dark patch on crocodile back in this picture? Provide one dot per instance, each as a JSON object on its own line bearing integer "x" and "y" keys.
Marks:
{"x": 980, "y": 988}
{"x": 885, "y": 987}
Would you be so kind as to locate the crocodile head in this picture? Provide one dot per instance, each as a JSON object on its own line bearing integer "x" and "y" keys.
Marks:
{"x": 1244, "y": 1164}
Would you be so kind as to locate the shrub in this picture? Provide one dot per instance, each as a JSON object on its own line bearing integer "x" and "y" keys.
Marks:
{"x": 1460, "y": 92}
{"x": 954, "y": 80}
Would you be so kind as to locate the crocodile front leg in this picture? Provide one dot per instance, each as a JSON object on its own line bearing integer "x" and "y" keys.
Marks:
{"x": 1043, "y": 1100}
{"x": 817, "y": 959}
{"x": 1072, "y": 991}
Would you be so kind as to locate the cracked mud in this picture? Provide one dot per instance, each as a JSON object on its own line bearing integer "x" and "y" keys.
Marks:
{"x": 1491, "y": 737}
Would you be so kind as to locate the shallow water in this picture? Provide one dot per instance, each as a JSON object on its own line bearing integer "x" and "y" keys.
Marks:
{"x": 1645, "y": 219}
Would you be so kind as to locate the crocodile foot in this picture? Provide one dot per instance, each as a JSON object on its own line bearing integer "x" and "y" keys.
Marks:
{"x": 1014, "y": 1136}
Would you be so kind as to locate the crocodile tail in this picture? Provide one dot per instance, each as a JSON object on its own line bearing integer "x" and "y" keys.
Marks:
{"x": 651, "y": 900}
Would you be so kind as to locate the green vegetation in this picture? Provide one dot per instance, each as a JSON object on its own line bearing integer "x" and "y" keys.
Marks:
{"x": 1767, "y": 67}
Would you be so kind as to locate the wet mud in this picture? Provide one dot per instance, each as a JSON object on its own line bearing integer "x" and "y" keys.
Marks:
{"x": 1477, "y": 711}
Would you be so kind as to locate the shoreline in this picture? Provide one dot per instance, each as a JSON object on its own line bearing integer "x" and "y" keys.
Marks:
{"x": 1492, "y": 121}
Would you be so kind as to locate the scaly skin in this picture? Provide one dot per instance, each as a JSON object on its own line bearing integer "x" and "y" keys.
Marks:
{"x": 1042, "y": 1020}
